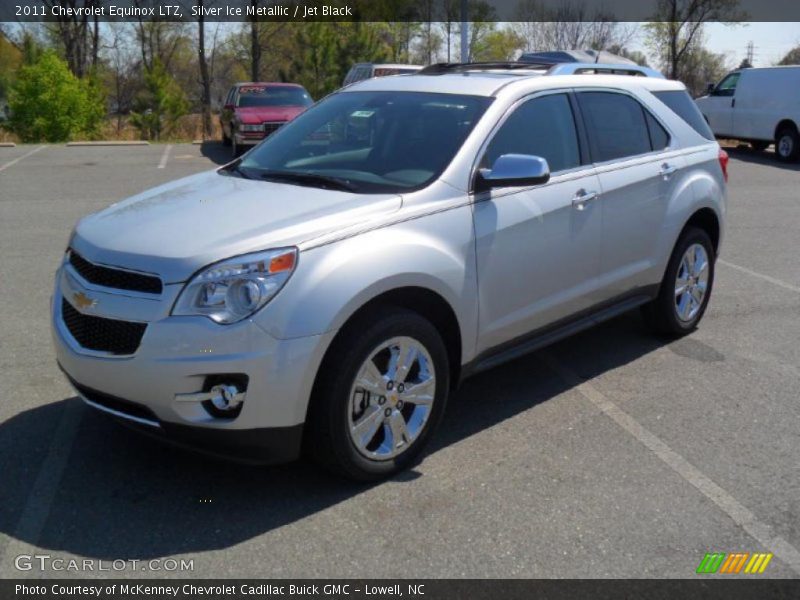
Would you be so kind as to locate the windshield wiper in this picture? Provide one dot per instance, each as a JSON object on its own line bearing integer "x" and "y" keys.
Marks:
{"x": 312, "y": 179}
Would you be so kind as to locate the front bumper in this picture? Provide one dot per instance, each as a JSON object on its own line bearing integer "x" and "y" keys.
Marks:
{"x": 178, "y": 355}
{"x": 248, "y": 139}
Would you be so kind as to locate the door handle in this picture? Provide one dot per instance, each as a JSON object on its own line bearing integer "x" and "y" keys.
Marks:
{"x": 667, "y": 170}
{"x": 733, "y": 102}
{"x": 582, "y": 198}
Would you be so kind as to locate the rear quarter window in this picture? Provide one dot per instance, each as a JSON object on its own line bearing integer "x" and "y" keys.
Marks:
{"x": 682, "y": 105}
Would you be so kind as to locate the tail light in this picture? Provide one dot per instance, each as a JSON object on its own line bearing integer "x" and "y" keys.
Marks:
{"x": 723, "y": 162}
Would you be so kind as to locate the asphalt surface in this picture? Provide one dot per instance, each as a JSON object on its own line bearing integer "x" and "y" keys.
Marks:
{"x": 611, "y": 454}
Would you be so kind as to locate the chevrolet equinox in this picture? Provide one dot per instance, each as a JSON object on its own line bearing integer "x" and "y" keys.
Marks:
{"x": 326, "y": 291}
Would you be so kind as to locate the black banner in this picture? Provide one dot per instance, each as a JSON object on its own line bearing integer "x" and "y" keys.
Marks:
{"x": 396, "y": 10}
{"x": 423, "y": 589}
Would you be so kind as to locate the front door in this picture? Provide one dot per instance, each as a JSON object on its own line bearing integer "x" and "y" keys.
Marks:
{"x": 719, "y": 105}
{"x": 538, "y": 248}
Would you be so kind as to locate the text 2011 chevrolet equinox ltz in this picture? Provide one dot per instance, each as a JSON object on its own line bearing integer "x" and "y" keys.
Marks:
{"x": 328, "y": 290}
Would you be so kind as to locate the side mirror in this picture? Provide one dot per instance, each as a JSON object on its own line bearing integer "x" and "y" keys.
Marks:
{"x": 710, "y": 87}
{"x": 513, "y": 170}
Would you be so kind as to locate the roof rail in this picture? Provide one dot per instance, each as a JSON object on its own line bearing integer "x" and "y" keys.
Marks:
{"x": 548, "y": 68}
{"x": 444, "y": 67}
{"x": 602, "y": 68}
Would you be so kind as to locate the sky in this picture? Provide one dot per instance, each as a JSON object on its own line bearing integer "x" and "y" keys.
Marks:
{"x": 771, "y": 41}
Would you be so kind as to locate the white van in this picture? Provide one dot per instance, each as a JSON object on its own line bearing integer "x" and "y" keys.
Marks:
{"x": 760, "y": 106}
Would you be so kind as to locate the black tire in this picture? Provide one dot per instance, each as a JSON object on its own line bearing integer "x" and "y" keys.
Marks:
{"x": 661, "y": 314}
{"x": 759, "y": 145}
{"x": 787, "y": 144}
{"x": 326, "y": 437}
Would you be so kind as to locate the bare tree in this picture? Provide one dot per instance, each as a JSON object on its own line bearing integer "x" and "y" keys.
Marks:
{"x": 569, "y": 26}
{"x": 205, "y": 79}
{"x": 120, "y": 56}
{"x": 78, "y": 35}
{"x": 680, "y": 24}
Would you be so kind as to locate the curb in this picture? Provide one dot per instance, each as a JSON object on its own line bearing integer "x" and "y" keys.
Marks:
{"x": 131, "y": 143}
{"x": 7, "y": 145}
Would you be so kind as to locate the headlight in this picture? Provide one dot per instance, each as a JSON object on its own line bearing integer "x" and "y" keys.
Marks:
{"x": 246, "y": 127}
{"x": 234, "y": 289}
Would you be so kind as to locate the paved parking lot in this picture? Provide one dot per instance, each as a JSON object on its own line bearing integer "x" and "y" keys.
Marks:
{"x": 611, "y": 454}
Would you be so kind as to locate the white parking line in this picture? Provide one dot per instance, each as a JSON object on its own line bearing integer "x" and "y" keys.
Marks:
{"x": 165, "y": 156}
{"x": 19, "y": 158}
{"x": 724, "y": 501}
{"x": 40, "y": 499}
{"x": 772, "y": 280}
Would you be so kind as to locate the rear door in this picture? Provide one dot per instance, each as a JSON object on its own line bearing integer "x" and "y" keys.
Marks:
{"x": 537, "y": 247}
{"x": 637, "y": 168}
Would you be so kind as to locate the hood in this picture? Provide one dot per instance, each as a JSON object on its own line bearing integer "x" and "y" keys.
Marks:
{"x": 180, "y": 227}
{"x": 259, "y": 114}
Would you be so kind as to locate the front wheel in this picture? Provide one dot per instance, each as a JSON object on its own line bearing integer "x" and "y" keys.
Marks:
{"x": 686, "y": 287}
{"x": 380, "y": 394}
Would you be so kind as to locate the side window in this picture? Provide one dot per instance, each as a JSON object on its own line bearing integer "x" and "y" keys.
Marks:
{"x": 659, "y": 138}
{"x": 229, "y": 99}
{"x": 727, "y": 87}
{"x": 615, "y": 124}
{"x": 542, "y": 127}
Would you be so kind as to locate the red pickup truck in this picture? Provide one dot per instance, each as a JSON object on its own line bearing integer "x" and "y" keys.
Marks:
{"x": 254, "y": 110}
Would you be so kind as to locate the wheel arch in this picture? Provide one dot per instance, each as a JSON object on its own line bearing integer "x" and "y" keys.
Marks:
{"x": 706, "y": 219}
{"x": 427, "y": 303}
{"x": 784, "y": 123}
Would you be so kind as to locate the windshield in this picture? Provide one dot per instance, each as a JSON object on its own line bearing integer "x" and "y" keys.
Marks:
{"x": 260, "y": 95}
{"x": 369, "y": 141}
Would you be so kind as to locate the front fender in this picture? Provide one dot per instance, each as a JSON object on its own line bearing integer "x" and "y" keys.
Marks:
{"x": 333, "y": 281}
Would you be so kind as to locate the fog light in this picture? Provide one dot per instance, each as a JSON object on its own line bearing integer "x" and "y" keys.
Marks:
{"x": 226, "y": 397}
{"x": 221, "y": 400}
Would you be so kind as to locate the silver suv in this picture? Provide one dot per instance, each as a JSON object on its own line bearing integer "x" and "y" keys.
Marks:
{"x": 328, "y": 290}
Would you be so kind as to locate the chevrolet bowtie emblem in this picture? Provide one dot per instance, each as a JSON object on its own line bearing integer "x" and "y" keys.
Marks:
{"x": 83, "y": 301}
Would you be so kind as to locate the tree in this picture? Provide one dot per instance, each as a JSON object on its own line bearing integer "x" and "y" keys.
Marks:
{"x": 497, "y": 44}
{"x": 792, "y": 57}
{"x": 679, "y": 25}
{"x": 205, "y": 79}
{"x": 76, "y": 33}
{"x": 569, "y": 27}
{"x": 10, "y": 61}
{"x": 48, "y": 103}
{"x": 160, "y": 104}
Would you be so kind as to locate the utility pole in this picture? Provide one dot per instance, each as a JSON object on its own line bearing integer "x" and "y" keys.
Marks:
{"x": 464, "y": 32}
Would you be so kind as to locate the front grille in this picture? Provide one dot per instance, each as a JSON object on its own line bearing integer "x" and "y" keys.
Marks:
{"x": 126, "y": 407}
{"x": 272, "y": 127}
{"x": 114, "y": 278}
{"x": 100, "y": 334}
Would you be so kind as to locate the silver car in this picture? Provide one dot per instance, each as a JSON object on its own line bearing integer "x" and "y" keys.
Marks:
{"x": 329, "y": 289}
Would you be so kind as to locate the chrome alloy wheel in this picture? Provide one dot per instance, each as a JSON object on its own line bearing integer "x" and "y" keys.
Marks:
{"x": 391, "y": 398}
{"x": 691, "y": 283}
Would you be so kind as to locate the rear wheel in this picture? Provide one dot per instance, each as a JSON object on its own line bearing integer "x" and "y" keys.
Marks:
{"x": 379, "y": 396}
{"x": 686, "y": 287}
{"x": 787, "y": 144}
